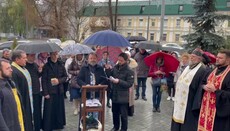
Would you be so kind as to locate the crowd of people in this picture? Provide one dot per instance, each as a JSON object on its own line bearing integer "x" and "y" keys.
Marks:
{"x": 201, "y": 94}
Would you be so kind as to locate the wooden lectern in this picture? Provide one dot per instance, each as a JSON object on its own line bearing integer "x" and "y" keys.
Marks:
{"x": 101, "y": 109}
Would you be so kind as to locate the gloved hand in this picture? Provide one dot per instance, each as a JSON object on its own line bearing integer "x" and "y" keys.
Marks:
{"x": 114, "y": 80}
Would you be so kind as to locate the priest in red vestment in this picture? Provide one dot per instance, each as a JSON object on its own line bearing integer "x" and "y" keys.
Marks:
{"x": 215, "y": 107}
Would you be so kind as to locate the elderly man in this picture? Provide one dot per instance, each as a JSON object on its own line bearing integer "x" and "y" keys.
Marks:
{"x": 215, "y": 107}
{"x": 9, "y": 120}
{"x": 188, "y": 95}
{"x": 35, "y": 73}
{"x": 6, "y": 54}
{"x": 89, "y": 70}
{"x": 22, "y": 79}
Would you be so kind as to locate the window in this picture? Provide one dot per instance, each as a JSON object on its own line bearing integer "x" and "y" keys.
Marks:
{"x": 178, "y": 23}
{"x": 142, "y": 9}
{"x": 181, "y": 8}
{"x": 153, "y": 22}
{"x": 95, "y": 11}
{"x": 164, "y": 37}
{"x": 118, "y": 22}
{"x": 139, "y": 34}
{"x": 140, "y": 22}
{"x": 128, "y": 34}
{"x": 165, "y": 22}
{"x": 228, "y": 3}
{"x": 151, "y": 36}
{"x": 177, "y": 37}
{"x": 129, "y": 22}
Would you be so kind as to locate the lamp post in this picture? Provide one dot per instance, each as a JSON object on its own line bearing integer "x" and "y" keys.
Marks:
{"x": 162, "y": 20}
{"x": 148, "y": 23}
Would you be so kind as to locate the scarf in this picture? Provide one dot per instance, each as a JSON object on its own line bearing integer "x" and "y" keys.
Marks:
{"x": 26, "y": 73}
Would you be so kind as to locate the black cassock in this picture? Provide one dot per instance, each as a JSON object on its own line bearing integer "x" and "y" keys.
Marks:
{"x": 22, "y": 86}
{"x": 222, "y": 118}
{"x": 193, "y": 104}
{"x": 54, "y": 107}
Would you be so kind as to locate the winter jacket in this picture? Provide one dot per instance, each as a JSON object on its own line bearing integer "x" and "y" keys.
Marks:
{"x": 120, "y": 90}
{"x": 142, "y": 69}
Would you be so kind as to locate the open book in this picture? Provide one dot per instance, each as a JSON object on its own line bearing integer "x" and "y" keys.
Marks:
{"x": 93, "y": 103}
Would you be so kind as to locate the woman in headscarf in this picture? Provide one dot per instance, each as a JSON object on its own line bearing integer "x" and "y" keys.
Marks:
{"x": 74, "y": 69}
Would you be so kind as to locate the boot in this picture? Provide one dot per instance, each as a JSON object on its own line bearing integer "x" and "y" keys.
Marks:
{"x": 76, "y": 106}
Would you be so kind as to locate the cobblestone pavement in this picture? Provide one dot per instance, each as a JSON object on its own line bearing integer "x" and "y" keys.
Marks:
{"x": 143, "y": 120}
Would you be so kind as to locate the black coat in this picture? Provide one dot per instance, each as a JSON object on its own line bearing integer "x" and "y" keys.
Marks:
{"x": 8, "y": 108}
{"x": 22, "y": 86}
{"x": 53, "y": 70}
{"x": 120, "y": 91}
{"x": 54, "y": 107}
{"x": 35, "y": 75}
{"x": 84, "y": 75}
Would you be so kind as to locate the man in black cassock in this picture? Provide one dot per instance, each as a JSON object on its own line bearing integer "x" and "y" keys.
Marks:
{"x": 53, "y": 77}
{"x": 35, "y": 74}
{"x": 22, "y": 79}
{"x": 215, "y": 107}
{"x": 188, "y": 95}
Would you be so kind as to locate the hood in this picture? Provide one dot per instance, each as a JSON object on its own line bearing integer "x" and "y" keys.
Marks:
{"x": 132, "y": 63}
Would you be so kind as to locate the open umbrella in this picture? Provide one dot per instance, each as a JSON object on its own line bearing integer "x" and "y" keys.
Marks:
{"x": 75, "y": 49}
{"x": 170, "y": 63}
{"x": 107, "y": 38}
{"x": 148, "y": 45}
{"x": 211, "y": 56}
{"x": 136, "y": 38}
{"x": 113, "y": 53}
{"x": 38, "y": 47}
{"x": 172, "y": 49}
{"x": 67, "y": 42}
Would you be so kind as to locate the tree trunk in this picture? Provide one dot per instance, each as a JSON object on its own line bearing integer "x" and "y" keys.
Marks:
{"x": 115, "y": 18}
{"x": 111, "y": 14}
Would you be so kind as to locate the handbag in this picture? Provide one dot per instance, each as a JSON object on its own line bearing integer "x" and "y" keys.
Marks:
{"x": 163, "y": 81}
{"x": 73, "y": 82}
{"x": 164, "y": 86}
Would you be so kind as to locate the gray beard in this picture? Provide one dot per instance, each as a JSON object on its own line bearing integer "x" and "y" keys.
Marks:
{"x": 92, "y": 63}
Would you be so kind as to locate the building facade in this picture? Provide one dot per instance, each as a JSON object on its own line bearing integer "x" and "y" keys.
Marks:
{"x": 143, "y": 18}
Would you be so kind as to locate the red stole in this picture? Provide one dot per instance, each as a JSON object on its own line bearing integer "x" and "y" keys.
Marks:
{"x": 208, "y": 106}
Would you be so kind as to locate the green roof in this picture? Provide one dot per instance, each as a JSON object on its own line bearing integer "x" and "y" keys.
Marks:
{"x": 143, "y": 8}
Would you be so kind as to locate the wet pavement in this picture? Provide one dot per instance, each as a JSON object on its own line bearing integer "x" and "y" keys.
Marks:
{"x": 143, "y": 120}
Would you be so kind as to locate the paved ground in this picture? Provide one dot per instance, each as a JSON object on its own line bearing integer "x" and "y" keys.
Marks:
{"x": 143, "y": 120}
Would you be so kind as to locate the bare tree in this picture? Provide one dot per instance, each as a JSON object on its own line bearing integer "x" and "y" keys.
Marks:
{"x": 113, "y": 17}
{"x": 53, "y": 16}
{"x": 76, "y": 18}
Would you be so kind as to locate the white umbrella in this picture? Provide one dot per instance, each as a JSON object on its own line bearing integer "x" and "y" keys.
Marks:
{"x": 75, "y": 49}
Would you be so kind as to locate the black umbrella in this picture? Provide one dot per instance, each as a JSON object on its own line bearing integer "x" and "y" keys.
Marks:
{"x": 38, "y": 47}
{"x": 136, "y": 38}
{"x": 171, "y": 49}
{"x": 148, "y": 45}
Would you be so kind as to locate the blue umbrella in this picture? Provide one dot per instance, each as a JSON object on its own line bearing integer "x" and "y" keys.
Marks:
{"x": 107, "y": 38}
{"x": 75, "y": 49}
